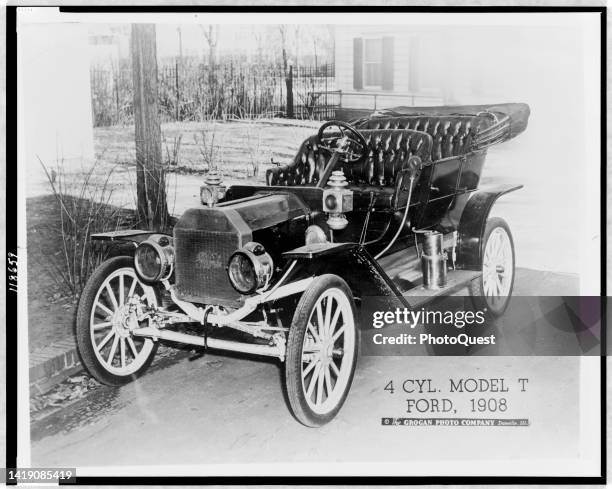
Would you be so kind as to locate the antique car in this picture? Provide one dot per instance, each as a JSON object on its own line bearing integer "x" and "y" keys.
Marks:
{"x": 388, "y": 205}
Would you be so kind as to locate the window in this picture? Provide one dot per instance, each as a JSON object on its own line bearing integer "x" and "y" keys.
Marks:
{"x": 373, "y": 63}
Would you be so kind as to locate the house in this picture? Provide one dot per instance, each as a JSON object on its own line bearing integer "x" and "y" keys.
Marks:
{"x": 381, "y": 66}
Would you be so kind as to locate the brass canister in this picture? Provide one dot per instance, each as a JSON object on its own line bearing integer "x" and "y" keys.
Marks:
{"x": 433, "y": 261}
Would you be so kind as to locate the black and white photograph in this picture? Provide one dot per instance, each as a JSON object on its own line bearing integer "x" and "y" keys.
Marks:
{"x": 307, "y": 242}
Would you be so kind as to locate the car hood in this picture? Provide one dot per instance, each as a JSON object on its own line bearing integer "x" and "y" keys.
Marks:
{"x": 259, "y": 211}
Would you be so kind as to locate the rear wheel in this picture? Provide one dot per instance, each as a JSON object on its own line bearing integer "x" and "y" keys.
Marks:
{"x": 493, "y": 290}
{"x": 106, "y": 345}
{"x": 321, "y": 351}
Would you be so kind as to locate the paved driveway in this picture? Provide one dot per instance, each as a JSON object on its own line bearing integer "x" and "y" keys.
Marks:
{"x": 221, "y": 409}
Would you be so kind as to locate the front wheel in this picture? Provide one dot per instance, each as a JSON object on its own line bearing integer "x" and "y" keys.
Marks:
{"x": 493, "y": 289}
{"x": 109, "y": 351}
{"x": 321, "y": 351}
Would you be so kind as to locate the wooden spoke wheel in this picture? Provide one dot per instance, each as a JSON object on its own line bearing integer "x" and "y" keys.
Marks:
{"x": 321, "y": 351}
{"x": 108, "y": 349}
{"x": 493, "y": 290}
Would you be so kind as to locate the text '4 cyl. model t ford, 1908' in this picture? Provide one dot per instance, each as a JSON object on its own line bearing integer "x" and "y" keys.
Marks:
{"x": 386, "y": 206}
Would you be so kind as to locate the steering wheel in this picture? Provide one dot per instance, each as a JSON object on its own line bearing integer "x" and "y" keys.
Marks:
{"x": 349, "y": 145}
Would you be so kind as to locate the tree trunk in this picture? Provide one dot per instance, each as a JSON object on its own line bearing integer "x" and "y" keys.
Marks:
{"x": 150, "y": 175}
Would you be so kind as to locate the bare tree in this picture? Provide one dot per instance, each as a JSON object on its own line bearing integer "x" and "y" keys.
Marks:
{"x": 282, "y": 30}
{"x": 258, "y": 37}
{"x": 296, "y": 39}
{"x": 211, "y": 35}
{"x": 327, "y": 41}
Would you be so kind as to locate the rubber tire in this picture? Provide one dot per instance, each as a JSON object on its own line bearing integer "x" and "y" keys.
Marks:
{"x": 84, "y": 346}
{"x": 293, "y": 362}
{"x": 477, "y": 286}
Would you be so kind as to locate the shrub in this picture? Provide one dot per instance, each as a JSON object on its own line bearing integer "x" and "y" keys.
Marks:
{"x": 173, "y": 151}
{"x": 209, "y": 146}
{"x": 84, "y": 208}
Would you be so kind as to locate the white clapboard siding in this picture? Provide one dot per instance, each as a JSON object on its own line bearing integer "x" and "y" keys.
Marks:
{"x": 403, "y": 39}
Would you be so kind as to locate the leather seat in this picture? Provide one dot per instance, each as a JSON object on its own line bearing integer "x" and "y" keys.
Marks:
{"x": 389, "y": 150}
{"x": 451, "y": 135}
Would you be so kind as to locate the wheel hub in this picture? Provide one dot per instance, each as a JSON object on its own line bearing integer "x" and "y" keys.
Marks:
{"x": 113, "y": 316}
{"x": 120, "y": 321}
{"x": 497, "y": 264}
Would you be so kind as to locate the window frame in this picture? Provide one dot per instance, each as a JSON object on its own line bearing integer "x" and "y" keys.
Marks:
{"x": 380, "y": 63}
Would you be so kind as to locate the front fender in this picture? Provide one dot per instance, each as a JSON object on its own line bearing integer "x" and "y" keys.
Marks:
{"x": 473, "y": 223}
{"x": 350, "y": 261}
{"x": 135, "y": 236}
{"x": 370, "y": 285}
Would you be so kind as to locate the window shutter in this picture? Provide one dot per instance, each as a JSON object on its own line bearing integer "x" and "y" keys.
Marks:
{"x": 414, "y": 64}
{"x": 387, "y": 63}
{"x": 357, "y": 63}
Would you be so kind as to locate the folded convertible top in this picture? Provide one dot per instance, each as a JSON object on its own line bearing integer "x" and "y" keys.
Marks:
{"x": 509, "y": 120}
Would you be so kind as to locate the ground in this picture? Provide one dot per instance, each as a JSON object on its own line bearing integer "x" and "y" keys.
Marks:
{"x": 221, "y": 410}
{"x": 50, "y": 305}
{"x": 236, "y": 146}
{"x": 216, "y": 391}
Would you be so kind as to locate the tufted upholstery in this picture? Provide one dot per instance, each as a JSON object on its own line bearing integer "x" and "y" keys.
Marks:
{"x": 452, "y": 135}
{"x": 389, "y": 150}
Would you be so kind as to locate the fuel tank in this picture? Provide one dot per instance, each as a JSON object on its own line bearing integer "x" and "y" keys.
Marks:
{"x": 205, "y": 237}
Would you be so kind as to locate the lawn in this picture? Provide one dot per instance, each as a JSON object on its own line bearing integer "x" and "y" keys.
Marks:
{"x": 242, "y": 149}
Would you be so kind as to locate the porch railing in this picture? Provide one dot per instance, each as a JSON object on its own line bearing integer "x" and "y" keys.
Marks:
{"x": 335, "y": 99}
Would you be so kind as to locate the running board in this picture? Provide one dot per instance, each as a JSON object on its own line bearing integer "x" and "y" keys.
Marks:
{"x": 456, "y": 280}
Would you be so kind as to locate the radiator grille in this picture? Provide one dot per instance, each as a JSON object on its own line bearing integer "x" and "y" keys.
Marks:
{"x": 201, "y": 259}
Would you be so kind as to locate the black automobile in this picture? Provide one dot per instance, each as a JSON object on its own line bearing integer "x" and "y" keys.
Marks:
{"x": 386, "y": 206}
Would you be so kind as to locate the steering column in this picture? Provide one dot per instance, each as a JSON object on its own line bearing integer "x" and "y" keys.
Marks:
{"x": 346, "y": 145}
